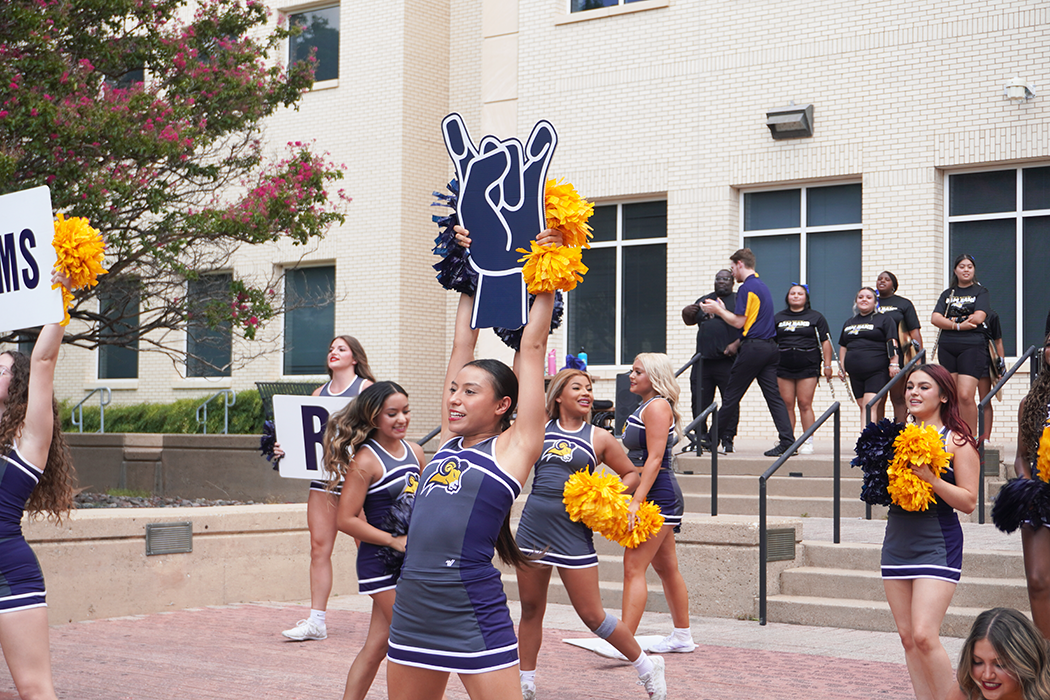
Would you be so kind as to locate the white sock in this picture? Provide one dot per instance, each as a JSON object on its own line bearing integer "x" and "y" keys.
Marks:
{"x": 317, "y": 616}
{"x": 528, "y": 678}
{"x": 643, "y": 665}
{"x": 684, "y": 634}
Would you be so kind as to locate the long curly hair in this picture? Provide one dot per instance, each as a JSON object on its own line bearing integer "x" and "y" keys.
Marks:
{"x": 1033, "y": 413}
{"x": 53, "y": 496}
{"x": 661, "y": 373}
{"x": 950, "y": 416}
{"x": 1019, "y": 646}
{"x": 349, "y": 427}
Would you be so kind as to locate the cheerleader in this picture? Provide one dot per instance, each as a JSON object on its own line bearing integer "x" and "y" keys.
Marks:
{"x": 922, "y": 550}
{"x": 902, "y": 312}
{"x": 36, "y": 477}
{"x": 1033, "y": 416}
{"x": 348, "y": 375}
{"x": 547, "y": 533}
{"x": 365, "y": 447}
{"x": 650, "y": 432}
{"x": 871, "y": 340}
{"x": 1004, "y": 658}
{"x": 962, "y": 347}
{"x": 450, "y": 613}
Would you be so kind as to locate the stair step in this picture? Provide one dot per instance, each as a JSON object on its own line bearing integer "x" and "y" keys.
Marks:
{"x": 866, "y": 557}
{"x": 853, "y": 613}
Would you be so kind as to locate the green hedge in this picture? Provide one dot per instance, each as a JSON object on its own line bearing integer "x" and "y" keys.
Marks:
{"x": 246, "y": 417}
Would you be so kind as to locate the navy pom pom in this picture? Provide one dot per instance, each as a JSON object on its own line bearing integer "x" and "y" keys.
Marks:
{"x": 512, "y": 337}
{"x": 454, "y": 271}
{"x": 396, "y": 523}
{"x": 267, "y": 442}
{"x": 1021, "y": 501}
{"x": 874, "y": 453}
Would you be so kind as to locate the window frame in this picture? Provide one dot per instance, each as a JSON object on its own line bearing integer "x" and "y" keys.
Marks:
{"x": 284, "y": 313}
{"x": 1019, "y": 214}
{"x": 288, "y": 12}
{"x": 619, "y": 242}
{"x": 101, "y": 349}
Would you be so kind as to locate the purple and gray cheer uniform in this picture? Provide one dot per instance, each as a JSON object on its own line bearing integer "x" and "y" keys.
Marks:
{"x": 451, "y": 613}
{"x": 399, "y": 480}
{"x": 545, "y": 527}
{"x": 350, "y": 392}
{"x": 665, "y": 491}
{"x": 924, "y": 544}
{"x": 21, "y": 580}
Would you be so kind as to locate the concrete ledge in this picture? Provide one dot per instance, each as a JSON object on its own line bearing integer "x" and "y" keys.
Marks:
{"x": 95, "y": 564}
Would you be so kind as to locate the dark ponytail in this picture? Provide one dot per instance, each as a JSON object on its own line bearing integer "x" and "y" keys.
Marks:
{"x": 508, "y": 550}
{"x": 504, "y": 383}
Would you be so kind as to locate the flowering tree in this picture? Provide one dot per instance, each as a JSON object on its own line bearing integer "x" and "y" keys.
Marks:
{"x": 147, "y": 125}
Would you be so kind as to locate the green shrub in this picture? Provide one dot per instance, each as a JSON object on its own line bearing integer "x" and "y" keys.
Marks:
{"x": 246, "y": 416}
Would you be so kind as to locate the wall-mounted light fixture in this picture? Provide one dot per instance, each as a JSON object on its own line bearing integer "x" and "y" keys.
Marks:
{"x": 791, "y": 122}
{"x": 1017, "y": 91}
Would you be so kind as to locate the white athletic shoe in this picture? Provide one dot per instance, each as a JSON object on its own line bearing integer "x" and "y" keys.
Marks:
{"x": 806, "y": 448}
{"x": 528, "y": 692}
{"x": 670, "y": 645}
{"x": 654, "y": 682}
{"x": 306, "y": 629}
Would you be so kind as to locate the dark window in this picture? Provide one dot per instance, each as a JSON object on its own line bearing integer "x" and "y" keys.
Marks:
{"x": 982, "y": 193}
{"x": 776, "y": 209}
{"x": 320, "y": 31}
{"x": 118, "y": 352}
{"x": 309, "y": 318}
{"x": 209, "y": 337}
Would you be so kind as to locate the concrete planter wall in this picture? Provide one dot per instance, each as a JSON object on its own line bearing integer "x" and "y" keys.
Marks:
{"x": 225, "y": 467}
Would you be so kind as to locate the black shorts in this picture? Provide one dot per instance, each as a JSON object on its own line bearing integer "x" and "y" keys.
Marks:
{"x": 971, "y": 360}
{"x": 867, "y": 373}
{"x": 798, "y": 364}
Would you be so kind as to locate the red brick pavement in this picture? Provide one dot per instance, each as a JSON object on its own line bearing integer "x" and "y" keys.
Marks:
{"x": 237, "y": 653}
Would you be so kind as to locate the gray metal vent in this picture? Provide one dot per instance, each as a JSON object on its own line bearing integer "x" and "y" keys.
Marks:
{"x": 780, "y": 544}
{"x": 169, "y": 538}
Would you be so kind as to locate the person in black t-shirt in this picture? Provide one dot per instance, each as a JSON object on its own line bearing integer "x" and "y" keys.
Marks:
{"x": 962, "y": 348}
{"x": 994, "y": 332}
{"x": 803, "y": 341}
{"x": 902, "y": 311}
{"x": 717, "y": 343}
{"x": 871, "y": 339}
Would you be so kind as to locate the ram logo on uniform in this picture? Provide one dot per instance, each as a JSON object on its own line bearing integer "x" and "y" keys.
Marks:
{"x": 27, "y": 228}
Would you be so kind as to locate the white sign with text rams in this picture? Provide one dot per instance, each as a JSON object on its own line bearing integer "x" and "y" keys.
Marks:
{"x": 300, "y": 422}
{"x": 27, "y": 257}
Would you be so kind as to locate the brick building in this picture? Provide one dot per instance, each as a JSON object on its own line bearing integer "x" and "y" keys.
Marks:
{"x": 661, "y": 107}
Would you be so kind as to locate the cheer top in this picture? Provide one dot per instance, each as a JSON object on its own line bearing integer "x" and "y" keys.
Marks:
{"x": 634, "y": 438}
{"x": 21, "y": 580}
{"x": 959, "y": 303}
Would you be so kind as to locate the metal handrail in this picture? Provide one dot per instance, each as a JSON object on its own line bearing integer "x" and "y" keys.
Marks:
{"x": 921, "y": 355}
{"x": 429, "y": 436}
{"x": 231, "y": 399}
{"x": 694, "y": 441}
{"x": 76, "y": 416}
{"x": 981, "y": 405}
{"x": 692, "y": 361}
{"x": 763, "y": 542}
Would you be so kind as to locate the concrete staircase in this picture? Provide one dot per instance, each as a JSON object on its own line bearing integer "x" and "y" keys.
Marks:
{"x": 828, "y": 585}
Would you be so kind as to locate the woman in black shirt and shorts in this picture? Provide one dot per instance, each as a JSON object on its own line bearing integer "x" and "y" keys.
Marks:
{"x": 902, "y": 312}
{"x": 963, "y": 346}
{"x": 872, "y": 358}
{"x": 804, "y": 340}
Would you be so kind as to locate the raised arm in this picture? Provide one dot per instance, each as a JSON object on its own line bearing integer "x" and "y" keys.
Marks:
{"x": 520, "y": 446}
{"x": 35, "y": 440}
{"x": 463, "y": 341}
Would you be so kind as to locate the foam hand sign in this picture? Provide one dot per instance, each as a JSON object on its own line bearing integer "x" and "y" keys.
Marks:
{"x": 501, "y": 204}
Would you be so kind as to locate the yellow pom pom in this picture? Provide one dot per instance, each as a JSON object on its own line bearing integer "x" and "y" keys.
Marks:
{"x": 592, "y": 498}
{"x": 915, "y": 446}
{"x": 548, "y": 268}
{"x": 648, "y": 522}
{"x": 568, "y": 211}
{"x": 1042, "y": 462}
{"x": 81, "y": 252}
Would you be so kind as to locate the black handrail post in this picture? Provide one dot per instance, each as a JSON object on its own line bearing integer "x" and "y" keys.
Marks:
{"x": 714, "y": 461}
{"x": 838, "y": 473}
{"x": 762, "y": 545}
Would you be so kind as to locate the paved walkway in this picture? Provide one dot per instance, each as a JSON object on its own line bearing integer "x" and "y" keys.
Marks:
{"x": 236, "y": 652}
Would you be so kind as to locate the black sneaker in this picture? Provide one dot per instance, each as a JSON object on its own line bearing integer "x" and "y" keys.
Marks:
{"x": 727, "y": 446}
{"x": 778, "y": 449}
